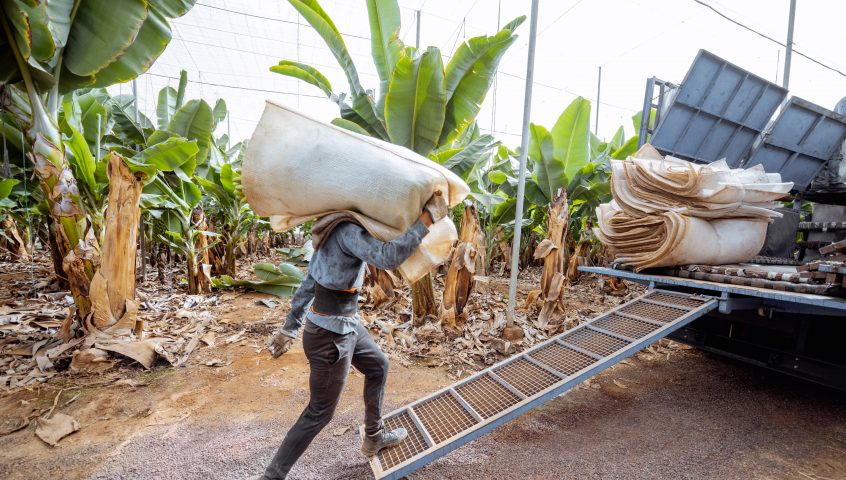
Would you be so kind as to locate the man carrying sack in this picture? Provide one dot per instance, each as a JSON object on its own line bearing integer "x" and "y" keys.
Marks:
{"x": 334, "y": 338}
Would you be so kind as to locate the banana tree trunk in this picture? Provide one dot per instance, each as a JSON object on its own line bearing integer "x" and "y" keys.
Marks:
{"x": 113, "y": 285}
{"x": 76, "y": 244}
{"x": 423, "y": 300}
{"x": 192, "y": 278}
{"x": 553, "y": 251}
{"x": 17, "y": 247}
{"x": 460, "y": 281}
{"x": 575, "y": 260}
{"x": 199, "y": 269}
{"x": 229, "y": 258}
{"x": 55, "y": 254}
{"x": 379, "y": 286}
{"x": 504, "y": 246}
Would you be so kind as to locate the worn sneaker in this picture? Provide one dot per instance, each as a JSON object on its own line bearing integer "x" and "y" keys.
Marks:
{"x": 373, "y": 443}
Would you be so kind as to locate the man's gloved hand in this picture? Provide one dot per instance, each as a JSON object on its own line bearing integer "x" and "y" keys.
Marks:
{"x": 437, "y": 207}
{"x": 281, "y": 342}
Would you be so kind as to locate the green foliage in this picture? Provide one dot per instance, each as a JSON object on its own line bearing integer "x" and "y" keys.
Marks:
{"x": 230, "y": 214}
{"x": 194, "y": 121}
{"x": 6, "y": 185}
{"x": 281, "y": 280}
{"x": 305, "y": 73}
{"x": 300, "y": 256}
{"x": 469, "y": 75}
{"x": 70, "y": 44}
{"x": 415, "y": 104}
{"x": 420, "y": 104}
{"x": 570, "y": 138}
{"x": 568, "y": 157}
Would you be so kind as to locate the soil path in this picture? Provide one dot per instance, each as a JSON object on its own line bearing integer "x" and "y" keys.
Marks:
{"x": 691, "y": 415}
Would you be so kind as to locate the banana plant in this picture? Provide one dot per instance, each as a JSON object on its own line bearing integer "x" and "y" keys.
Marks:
{"x": 179, "y": 222}
{"x": 83, "y": 122}
{"x": 230, "y": 212}
{"x": 52, "y": 48}
{"x": 172, "y": 197}
{"x": 567, "y": 161}
{"x": 420, "y": 104}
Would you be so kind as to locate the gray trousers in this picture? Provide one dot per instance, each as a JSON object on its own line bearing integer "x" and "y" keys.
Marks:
{"x": 330, "y": 355}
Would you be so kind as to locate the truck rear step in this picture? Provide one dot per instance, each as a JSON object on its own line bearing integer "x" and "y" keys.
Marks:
{"x": 445, "y": 420}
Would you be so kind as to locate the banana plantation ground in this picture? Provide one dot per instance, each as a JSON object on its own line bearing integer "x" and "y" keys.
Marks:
{"x": 670, "y": 412}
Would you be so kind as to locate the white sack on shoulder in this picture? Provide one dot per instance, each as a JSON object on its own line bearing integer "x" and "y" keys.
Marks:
{"x": 297, "y": 168}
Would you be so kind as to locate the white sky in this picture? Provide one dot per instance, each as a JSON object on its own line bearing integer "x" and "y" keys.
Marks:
{"x": 630, "y": 39}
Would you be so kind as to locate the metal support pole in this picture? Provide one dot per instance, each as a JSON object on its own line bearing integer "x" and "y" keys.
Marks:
{"x": 521, "y": 181}
{"x": 789, "y": 50}
{"x": 646, "y": 112}
{"x": 417, "y": 38}
{"x": 598, "y": 90}
{"x": 141, "y": 236}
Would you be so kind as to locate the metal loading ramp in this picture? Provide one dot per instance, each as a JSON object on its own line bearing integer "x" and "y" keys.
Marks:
{"x": 445, "y": 420}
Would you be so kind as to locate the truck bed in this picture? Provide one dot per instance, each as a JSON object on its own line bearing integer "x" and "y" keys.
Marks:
{"x": 798, "y": 334}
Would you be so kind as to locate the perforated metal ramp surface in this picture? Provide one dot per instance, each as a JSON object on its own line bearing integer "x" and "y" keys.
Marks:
{"x": 447, "y": 419}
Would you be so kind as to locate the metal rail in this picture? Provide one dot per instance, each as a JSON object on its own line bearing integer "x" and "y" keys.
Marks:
{"x": 460, "y": 413}
{"x": 730, "y": 294}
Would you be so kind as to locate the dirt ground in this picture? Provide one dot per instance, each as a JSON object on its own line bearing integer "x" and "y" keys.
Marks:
{"x": 682, "y": 415}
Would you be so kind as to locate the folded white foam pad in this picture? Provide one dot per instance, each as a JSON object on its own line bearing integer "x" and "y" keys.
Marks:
{"x": 668, "y": 211}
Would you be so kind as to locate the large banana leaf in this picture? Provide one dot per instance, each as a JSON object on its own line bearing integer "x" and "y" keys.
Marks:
{"x": 108, "y": 41}
{"x": 469, "y": 75}
{"x": 6, "y": 186}
{"x": 182, "y": 197}
{"x": 365, "y": 109}
{"x": 87, "y": 113}
{"x": 362, "y": 105}
{"x": 102, "y": 31}
{"x": 170, "y": 100}
{"x": 416, "y": 101}
{"x": 180, "y": 91}
{"x": 305, "y": 73}
{"x": 32, "y": 28}
{"x": 351, "y": 126}
{"x": 548, "y": 169}
{"x": 618, "y": 139}
{"x": 320, "y": 21}
{"x": 123, "y": 112}
{"x": 172, "y": 8}
{"x": 164, "y": 156}
{"x": 219, "y": 111}
{"x": 627, "y": 149}
{"x": 571, "y": 137}
{"x": 384, "y": 16}
{"x": 228, "y": 177}
{"x": 83, "y": 163}
{"x": 150, "y": 42}
{"x": 281, "y": 280}
{"x": 194, "y": 121}
{"x": 462, "y": 161}
{"x": 166, "y": 106}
